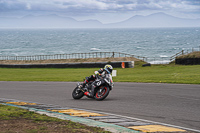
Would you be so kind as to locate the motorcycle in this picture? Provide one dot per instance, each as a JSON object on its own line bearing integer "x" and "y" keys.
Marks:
{"x": 101, "y": 91}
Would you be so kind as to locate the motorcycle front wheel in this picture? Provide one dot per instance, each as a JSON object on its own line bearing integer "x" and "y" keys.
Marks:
{"x": 102, "y": 93}
{"x": 77, "y": 93}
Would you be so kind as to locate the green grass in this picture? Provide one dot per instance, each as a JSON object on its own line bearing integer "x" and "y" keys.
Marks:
{"x": 38, "y": 123}
{"x": 189, "y": 74}
{"x": 8, "y": 112}
{"x": 161, "y": 74}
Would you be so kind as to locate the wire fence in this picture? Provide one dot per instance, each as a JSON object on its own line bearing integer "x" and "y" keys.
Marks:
{"x": 72, "y": 56}
{"x": 152, "y": 60}
{"x": 167, "y": 60}
{"x": 158, "y": 60}
{"x": 183, "y": 52}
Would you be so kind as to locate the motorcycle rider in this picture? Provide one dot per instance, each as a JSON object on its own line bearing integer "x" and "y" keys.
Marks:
{"x": 102, "y": 72}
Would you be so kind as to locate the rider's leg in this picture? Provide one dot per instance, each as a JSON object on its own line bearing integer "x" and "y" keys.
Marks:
{"x": 87, "y": 79}
{"x": 92, "y": 91}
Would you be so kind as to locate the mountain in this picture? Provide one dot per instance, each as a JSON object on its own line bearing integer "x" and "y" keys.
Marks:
{"x": 156, "y": 20}
{"x": 47, "y": 21}
{"x": 138, "y": 21}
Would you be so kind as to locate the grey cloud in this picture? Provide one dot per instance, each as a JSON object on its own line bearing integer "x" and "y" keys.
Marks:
{"x": 98, "y": 6}
{"x": 10, "y": 5}
{"x": 193, "y": 2}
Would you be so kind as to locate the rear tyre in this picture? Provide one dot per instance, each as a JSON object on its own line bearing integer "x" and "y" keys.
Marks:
{"x": 102, "y": 93}
{"x": 77, "y": 93}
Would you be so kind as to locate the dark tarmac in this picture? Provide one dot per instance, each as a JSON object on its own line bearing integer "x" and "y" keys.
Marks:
{"x": 175, "y": 104}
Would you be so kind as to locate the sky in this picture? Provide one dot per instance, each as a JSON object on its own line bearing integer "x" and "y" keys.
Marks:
{"x": 105, "y": 11}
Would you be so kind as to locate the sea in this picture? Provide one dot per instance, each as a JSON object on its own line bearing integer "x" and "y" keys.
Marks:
{"x": 156, "y": 44}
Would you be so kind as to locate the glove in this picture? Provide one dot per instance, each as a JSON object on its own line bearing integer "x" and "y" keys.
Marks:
{"x": 96, "y": 72}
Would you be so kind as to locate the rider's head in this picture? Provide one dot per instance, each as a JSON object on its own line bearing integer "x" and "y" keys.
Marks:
{"x": 108, "y": 69}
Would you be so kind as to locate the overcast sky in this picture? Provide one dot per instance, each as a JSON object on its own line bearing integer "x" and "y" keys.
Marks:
{"x": 106, "y": 11}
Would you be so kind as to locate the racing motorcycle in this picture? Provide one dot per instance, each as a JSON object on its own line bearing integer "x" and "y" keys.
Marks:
{"x": 101, "y": 91}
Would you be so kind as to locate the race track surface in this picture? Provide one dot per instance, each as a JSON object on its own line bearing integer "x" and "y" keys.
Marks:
{"x": 176, "y": 104}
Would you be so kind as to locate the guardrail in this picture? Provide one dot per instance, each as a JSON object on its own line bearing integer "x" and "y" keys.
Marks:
{"x": 182, "y": 52}
{"x": 72, "y": 56}
{"x": 158, "y": 60}
{"x": 178, "y": 54}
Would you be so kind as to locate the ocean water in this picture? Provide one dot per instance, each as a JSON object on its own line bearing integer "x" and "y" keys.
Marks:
{"x": 157, "y": 44}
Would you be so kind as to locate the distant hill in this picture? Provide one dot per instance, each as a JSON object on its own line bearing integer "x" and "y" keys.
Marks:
{"x": 55, "y": 21}
{"x": 156, "y": 20}
{"x": 49, "y": 21}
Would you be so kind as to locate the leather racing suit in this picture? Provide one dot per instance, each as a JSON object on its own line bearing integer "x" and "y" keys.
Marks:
{"x": 101, "y": 72}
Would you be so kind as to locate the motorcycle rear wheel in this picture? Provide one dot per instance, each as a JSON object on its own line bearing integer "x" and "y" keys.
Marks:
{"x": 77, "y": 93}
{"x": 103, "y": 94}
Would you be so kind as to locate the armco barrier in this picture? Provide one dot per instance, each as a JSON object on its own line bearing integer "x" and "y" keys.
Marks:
{"x": 128, "y": 64}
{"x": 188, "y": 61}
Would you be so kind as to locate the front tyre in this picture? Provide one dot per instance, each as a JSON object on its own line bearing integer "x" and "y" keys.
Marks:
{"x": 77, "y": 93}
{"x": 102, "y": 93}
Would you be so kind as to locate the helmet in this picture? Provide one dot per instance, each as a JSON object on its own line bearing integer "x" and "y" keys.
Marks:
{"x": 108, "y": 68}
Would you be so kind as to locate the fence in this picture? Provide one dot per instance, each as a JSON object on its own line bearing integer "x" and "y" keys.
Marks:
{"x": 167, "y": 60}
{"x": 155, "y": 60}
{"x": 158, "y": 60}
{"x": 72, "y": 56}
{"x": 182, "y": 52}
{"x": 178, "y": 54}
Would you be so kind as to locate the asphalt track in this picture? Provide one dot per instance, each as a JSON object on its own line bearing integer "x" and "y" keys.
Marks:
{"x": 175, "y": 104}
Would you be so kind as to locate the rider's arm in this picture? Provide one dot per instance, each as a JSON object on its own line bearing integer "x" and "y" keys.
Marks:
{"x": 99, "y": 71}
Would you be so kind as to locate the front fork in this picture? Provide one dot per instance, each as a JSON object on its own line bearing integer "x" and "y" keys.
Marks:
{"x": 81, "y": 88}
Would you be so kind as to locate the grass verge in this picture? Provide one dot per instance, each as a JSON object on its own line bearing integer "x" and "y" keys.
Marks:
{"x": 189, "y": 74}
{"x": 195, "y": 54}
{"x": 13, "y": 119}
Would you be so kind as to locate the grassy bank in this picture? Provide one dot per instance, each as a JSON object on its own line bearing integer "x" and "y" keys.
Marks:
{"x": 14, "y": 119}
{"x": 195, "y": 54}
{"x": 152, "y": 74}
